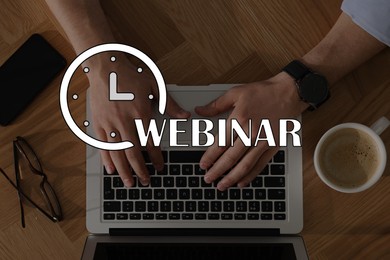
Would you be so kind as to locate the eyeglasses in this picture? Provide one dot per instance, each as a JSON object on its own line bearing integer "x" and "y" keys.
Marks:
{"x": 29, "y": 174}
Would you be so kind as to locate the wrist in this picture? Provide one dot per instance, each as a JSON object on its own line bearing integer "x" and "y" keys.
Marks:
{"x": 290, "y": 98}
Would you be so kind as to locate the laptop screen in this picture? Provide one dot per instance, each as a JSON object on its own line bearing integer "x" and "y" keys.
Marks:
{"x": 161, "y": 251}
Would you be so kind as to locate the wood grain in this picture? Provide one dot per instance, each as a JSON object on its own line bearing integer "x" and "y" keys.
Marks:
{"x": 198, "y": 42}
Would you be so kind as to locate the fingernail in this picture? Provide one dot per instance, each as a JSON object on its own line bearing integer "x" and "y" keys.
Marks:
{"x": 110, "y": 169}
{"x": 221, "y": 187}
{"x": 207, "y": 179}
{"x": 128, "y": 183}
{"x": 203, "y": 165}
{"x": 145, "y": 182}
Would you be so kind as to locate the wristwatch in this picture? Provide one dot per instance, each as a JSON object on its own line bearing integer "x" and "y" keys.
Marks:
{"x": 312, "y": 87}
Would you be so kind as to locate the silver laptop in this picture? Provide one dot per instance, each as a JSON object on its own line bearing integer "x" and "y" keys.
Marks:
{"x": 179, "y": 215}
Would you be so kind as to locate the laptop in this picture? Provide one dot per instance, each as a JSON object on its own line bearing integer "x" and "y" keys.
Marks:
{"x": 180, "y": 216}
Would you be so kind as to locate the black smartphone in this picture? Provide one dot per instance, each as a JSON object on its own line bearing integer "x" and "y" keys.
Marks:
{"x": 25, "y": 74}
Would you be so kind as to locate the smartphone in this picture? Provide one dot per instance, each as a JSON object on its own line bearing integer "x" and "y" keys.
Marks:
{"x": 25, "y": 74}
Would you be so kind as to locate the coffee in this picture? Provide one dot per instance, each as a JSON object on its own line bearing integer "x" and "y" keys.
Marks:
{"x": 349, "y": 157}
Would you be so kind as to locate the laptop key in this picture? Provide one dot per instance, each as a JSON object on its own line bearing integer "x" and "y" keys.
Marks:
{"x": 200, "y": 216}
{"x": 109, "y": 194}
{"x": 279, "y": 157}
{"x": 277, "y": 169}
{"x": 187, "y": 216}
{"x": 279, "y": 216}
{"x": 241, "y": 206}
{"x": 193, "y": 182}
{"x": 266, "y": 216}
{"x": 226, "y": 216}
{"x": 253, "y": 216}
{"x": 216, "y": 206}
{"x": 117, "y": 182}
{"x": 276, "y": 194}
{"x": 148, "y": 216}
{"x": 121, "y": 194}
{"x": 122, "y": 216}
{"x": 155, "y": 181}
{"x": 164, "y": 171}
{"x": 196, "y": 194}
{"x": 107, "y": 183}
{"x": 265, "y": 171}
{"x": 187, "y": 169}
{"x": 140, "y": 206}
{"x": 135, "y": 216}
{"x": 165, "y": 206}
{"x": 257, "y": 182}
{"x": 127, "y": 206}
{"x": 203, "y": 206}
{"x": 254, "y": 206}
{"x": 133, "y": 194}
{"x": 228, "y": 206}
{"x": 199, "y": 171}
{"x": 178, "y": 206}
{"x": 161, "y": 216}
{"x": 213, "y": 216}
{"x": 111, "y": 206}
{"x": 168, "y": 182}
{"x": 146, "y": 194}
{"x": 239, "y": 216}
{"x": 280, "y": 206}
{"x": 266, "y": 206}
{"x": 153, "y": 206}
{"x": 247, "y": 194}
{"x": 274, "y": 181}
{"x": 181, "y": 182}
{"x": 151, "y": 169}
{"x": 108, "y": 216}
{"x": 209, "y": 194}
{"x": 174, "y": 169}
{"x": 171, "y": 194}
{"x": 184, "y": 194}
{"x": 260, "y": 194}
{"x": 190, "y": 206}
{"x": 174, "y": 216}
{"x": 159, "y": 194}
{"x": 235, "y": 194}
{"x": 222, "y": 195}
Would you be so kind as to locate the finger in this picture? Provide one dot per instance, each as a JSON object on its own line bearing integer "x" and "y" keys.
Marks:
{"x": 212, "y": 153}
{"x": 120, "y": 161}
{"x": 243, "y": 167}
{"x": 134, "y": 154}
{"x": 154, "y": 152}
{"x": 217, "y": 106}
{"x": 228, "y": 159}
{"x": 174, "y": 110}
{"x": 106, "y": 159}
{"x": 259, "y": 166}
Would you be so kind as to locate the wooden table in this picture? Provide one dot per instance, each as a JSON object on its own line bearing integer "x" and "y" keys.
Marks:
{"x": 198, "y": 42}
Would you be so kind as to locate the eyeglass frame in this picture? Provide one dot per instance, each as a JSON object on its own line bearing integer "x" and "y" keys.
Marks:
{"x": 53, "y": 216}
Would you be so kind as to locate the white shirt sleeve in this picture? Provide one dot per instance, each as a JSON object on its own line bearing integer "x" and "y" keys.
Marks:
{"x": 371, "y": 15}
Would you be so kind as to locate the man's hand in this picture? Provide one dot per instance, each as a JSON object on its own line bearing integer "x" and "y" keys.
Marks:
{"x": 118, "y": 116}
{"x": 272, "y": 99}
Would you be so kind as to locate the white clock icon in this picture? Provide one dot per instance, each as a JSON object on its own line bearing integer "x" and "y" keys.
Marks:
{"x": 113, "y": 94}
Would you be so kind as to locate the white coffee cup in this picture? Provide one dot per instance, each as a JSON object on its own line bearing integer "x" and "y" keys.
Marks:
{"x": 351, "y": 157}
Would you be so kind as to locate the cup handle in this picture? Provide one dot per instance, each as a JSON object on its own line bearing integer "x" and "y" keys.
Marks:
{"x": 380, "y": 125}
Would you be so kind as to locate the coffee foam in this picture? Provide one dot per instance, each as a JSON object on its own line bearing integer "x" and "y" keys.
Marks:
{"x": 349, "y": 157}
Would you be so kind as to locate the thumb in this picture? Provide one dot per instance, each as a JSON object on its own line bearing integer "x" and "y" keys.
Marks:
{"x": 174, "y": 110}
{"x": 215, "y": 107}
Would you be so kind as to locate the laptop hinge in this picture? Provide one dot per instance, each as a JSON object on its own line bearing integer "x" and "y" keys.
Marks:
{"x": 194, "y": 232}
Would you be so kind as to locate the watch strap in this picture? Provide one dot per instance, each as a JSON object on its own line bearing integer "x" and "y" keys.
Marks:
{"x": 296, "y": 69}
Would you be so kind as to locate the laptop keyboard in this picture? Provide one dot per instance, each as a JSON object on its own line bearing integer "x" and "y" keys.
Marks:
{"x": 179, "y": 192}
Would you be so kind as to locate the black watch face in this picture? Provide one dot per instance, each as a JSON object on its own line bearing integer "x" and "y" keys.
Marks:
{"x": 314, "y": 89}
